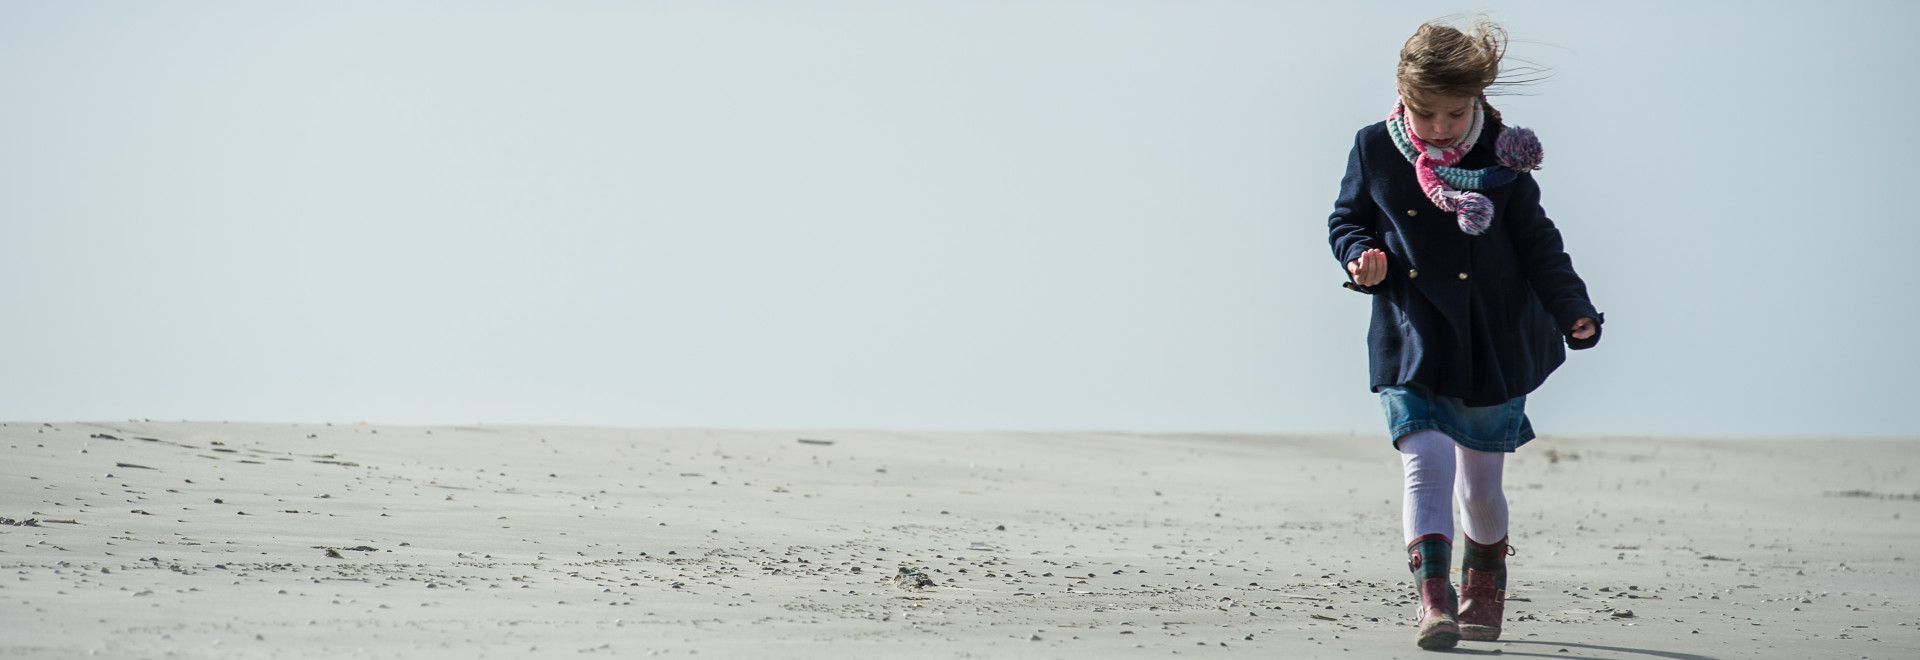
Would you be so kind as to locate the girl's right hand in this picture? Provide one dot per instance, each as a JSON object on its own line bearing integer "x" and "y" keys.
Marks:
{"x": 1369, "y": 269}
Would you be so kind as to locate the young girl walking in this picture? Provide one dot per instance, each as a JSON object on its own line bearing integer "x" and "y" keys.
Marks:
{"x": 1439, "y": 219}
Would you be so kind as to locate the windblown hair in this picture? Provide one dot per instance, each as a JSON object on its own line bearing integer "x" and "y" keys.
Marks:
{"x": 1440, "y": 60}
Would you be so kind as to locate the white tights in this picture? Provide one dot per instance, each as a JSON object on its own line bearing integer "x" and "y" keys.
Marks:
{"x": 1430, "y": 458}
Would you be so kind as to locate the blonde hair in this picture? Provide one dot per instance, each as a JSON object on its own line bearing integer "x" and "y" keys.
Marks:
{"x": 1440, "y": 60}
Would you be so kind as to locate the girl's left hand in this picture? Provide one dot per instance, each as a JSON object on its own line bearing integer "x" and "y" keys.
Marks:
{"x": 1583, "y": 328}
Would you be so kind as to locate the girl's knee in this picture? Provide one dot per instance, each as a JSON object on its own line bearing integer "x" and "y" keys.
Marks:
{"x": 1424, "y": 441}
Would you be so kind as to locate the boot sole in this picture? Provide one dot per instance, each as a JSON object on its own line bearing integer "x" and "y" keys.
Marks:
{"x": 1473, "y": 633}
{"x": 1443, "y": 636}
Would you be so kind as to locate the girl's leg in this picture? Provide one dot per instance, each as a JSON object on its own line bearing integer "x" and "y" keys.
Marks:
{"x": 1483, "y": 565}
{"x": 1427, "y": 521}
{"x": 1483, "y": 505}
{"x": 1428, "y": 458}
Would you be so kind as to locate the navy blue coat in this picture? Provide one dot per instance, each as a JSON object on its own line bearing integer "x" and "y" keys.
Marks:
{"x": 1482, "y": 318}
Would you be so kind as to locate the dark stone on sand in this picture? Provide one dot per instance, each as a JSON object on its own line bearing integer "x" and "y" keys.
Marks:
{"x": 912, "y": 579}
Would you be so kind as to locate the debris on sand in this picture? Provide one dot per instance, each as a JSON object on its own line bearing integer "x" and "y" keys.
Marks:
{"x": 814, "y": 441}
{"x": 913, "y": 579}
{"x": 20, "y": 523}
{"x": 334, "y": 554}
{"x": 1871, "y": 495}
{"x": 1623, "y": 614}
{"x": 132, "y": 465}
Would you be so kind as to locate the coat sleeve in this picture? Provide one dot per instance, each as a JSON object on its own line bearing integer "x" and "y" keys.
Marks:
{"x": 1350, "y": 228}
{"x": 1548, "y": 269}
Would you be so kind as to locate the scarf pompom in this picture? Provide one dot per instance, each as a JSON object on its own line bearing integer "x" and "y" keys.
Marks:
{"x": 1518, "y": 149}
{"x": 1475, "y": 213}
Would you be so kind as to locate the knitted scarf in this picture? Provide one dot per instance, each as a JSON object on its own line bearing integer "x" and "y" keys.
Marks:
{"x": 1451, "y": 188}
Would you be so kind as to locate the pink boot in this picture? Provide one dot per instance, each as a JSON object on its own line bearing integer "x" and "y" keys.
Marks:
{"x": 1427, "y": 558}
{"x": 1483, "y": 590}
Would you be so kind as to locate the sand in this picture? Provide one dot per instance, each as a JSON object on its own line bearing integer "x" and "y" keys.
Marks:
{"x": 215, "y": 540}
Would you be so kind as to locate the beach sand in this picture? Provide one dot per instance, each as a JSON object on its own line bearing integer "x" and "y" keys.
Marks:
{"x": 215, "y": 540}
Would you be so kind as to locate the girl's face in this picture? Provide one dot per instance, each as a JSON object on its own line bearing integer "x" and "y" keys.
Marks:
{"x": 1442, "y": 119}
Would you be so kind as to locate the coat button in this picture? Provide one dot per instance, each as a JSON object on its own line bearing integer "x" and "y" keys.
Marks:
{"x": 1413, "y": 212}
{"x": 1463, "y": 276}
{"x": 1412, "y": 273}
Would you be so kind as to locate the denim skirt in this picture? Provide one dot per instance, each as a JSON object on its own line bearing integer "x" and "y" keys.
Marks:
{"x": 1412, "y": 407}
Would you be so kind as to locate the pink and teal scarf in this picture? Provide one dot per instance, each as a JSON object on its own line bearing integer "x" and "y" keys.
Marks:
{"x": 1452, "y": 188}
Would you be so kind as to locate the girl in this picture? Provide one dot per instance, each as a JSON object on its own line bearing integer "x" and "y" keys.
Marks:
{"x": 1439, "y": 219}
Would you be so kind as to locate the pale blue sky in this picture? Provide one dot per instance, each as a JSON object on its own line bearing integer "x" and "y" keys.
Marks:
{"x": 1070, "y": 215}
